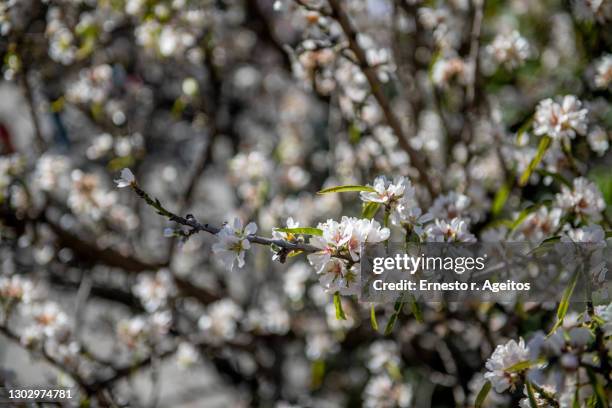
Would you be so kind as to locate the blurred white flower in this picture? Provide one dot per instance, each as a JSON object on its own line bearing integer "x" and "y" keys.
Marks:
{"x": 450, "y": 205}
{"x": 16, "y": 288}
{"x": 598, "y": 140}
{"x": 509, "y": 50}
{"x": 454, "y": 230}
{"x": 186, "y": 355}
{"x": 382, "y": 354}
{"x": 50, "y": 321}
{"x": 382, "y": 392}
{"x": 126, "y": 179}
{"x": 504, "y": 357}
{"x": 232, "y": 242}
{"x": 154, "y": 291}
{"x": 603, "y": 75}
{"x": 560, "y": 121}
{"x": 584, "y": 200}
{"x": 220, "y": 321}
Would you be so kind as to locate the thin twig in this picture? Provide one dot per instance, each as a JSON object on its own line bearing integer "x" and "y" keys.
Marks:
{"x": 195, "y": 226}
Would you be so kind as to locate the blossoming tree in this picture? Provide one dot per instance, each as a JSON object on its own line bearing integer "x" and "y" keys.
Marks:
{"x": 187, "y": 189}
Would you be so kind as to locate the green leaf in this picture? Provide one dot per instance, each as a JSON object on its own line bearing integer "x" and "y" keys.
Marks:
{"x": 317, "y": 373}
{"x": 391, "y": 323}
{"x": 338, "y": 304}
{"x": 500, "y": 198}
{"x": 565, "y": 299}
{"x": 518, "y": 367}
{"x": 354, "y": 133}
{"x": 532, "y": 399}
{"x": 301, "y": 230}
{"x": 482, "y": 394}
{"x": 608, "y": 234}
{"x": 345, "y": 189}
{"x": 416, "y": 310}
{"x": 373, "y": 320}
{"x": 370, "y": 209}
{"x": 542, "y": 148}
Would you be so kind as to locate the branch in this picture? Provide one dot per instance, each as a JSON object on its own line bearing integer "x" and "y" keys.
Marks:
{"x": 195, "y": 226}
{"x": 416, "y": 158}
{"x": 474, "y": 49}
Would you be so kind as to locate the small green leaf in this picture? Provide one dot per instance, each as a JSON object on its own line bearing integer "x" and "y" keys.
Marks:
{"x": 518, "y": 367}
{"x": 317, "y": 373}
{"x": 370, "y": 209}
{"x": 354, "y": 133}
{"x": 532, "y": 399}
{"x": 391, "y": 323}
{"x": 482, "y": 394}
{"x": 565, "y": 299}
{"x": 345, "y": 189}
{"x": 338, "y": 304}
{"x": 301, "y": 230}
{"x": 416, "y": 310}
{"x": 500, "y": 198}
{"x": 373, "y": 320}
{"x": 542, "y": 148}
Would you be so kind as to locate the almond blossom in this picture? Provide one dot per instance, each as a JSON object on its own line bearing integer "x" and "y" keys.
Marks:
{"x": 454, "y": 230}
{"x": 126, "y": 179}
{"x": 232, "y": 243}
{"x": 504, "y": 357}
{"x": 584, "y": 200}
{"x": 561, "y": 121}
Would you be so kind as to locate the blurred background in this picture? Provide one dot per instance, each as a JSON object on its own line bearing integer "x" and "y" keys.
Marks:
{"x": 231, "y": 108}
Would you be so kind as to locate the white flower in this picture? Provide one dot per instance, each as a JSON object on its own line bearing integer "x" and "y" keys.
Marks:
{"x": 232, "y": 242}
{"x": 540, "y": 224}
{"x": 453, "y": 231}
{"x": 126, "y": 178}
{"x": 504, "y": 357}
{"x": 606, "y": 315}
{"x": 16, "y": 287}
{"x": 186, "y": 355}
{"x": 270, "y": 318}
{"x": 154, "y": 291}
{"x": 449, "y": 205}
{"x": 409, "y": 215}
{"x": 603, "y": 77}
{"x": 446, "y": 69}
{"x": 510, "y": 50}
{"x": 598, "y": 140}
{"x": 386, "y": 191}
{"x": 382, "y": 354}
{"x": 49, "y": 321}
{"x": 592, "y": 234}
{"x": 220, "y": 321}
{"x": 560, "y": 121}
{"x": 295, "y": 281}
{"x": 382, "y": 392}
{"x": 319, "y": 344}
{"x": 584, "y": 200}
{"x": 132, "y": 332}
